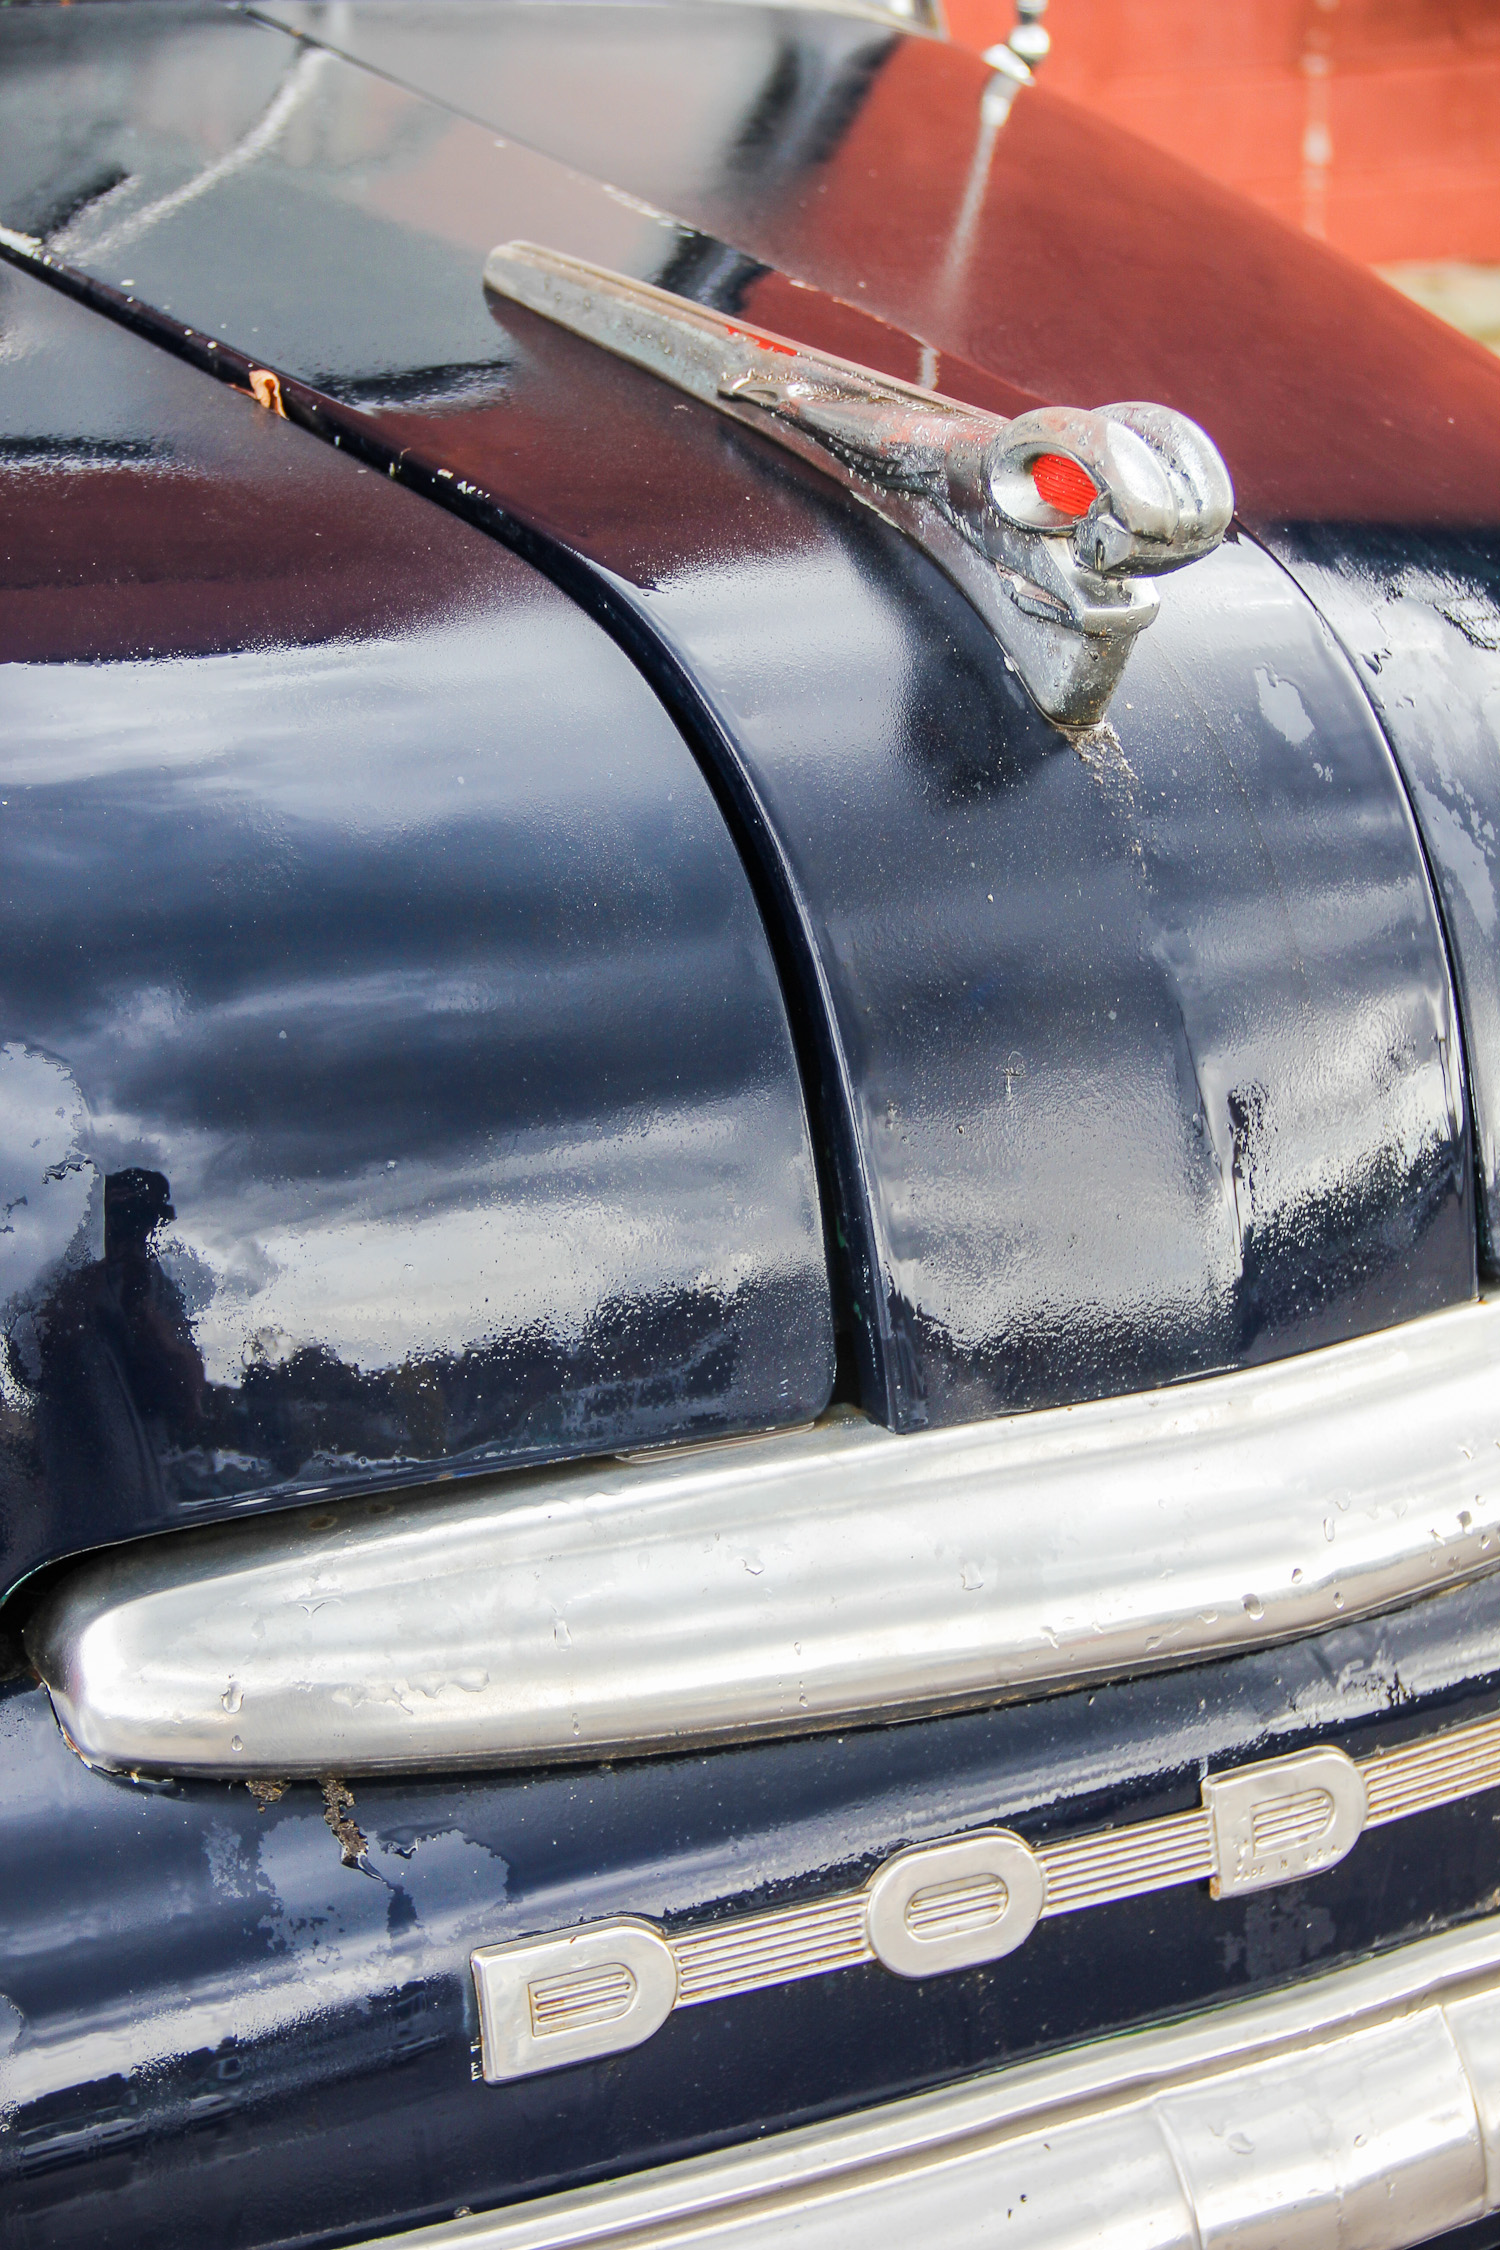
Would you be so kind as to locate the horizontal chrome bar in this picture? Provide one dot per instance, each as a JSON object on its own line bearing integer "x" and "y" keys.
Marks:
{"x": 936, "y": 1908}
{"x": 790, "y": 1582}
{"x": 1360, "y": 2108}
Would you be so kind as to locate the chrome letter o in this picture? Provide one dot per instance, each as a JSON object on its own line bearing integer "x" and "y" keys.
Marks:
{"x": 949, "y": 1906}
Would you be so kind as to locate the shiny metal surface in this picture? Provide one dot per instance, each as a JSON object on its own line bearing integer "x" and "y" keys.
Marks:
{"x": 177, "y": 2064}
{"x": 1357, "y": 2108}
{"x": 1059, "y": 587}
{"x": 1008, "y": 74}
{"x": 939, "y": 1908}
{"x": 1454, "y": 1763}
{"x": 1279, "y": 1824}
{"x": 792, "y": 1583}
{"x": 1030, "y": 39}
{"x": 549, "y": 2002}
{"x": 248, "y": 1991}
{"x": 394, "y": 1075}
{"x": 950, "y": 1906}
{"x": 1059, "y": 255}
{"x": 751, "y": 1952}
{"x": 1132, "y": 1058}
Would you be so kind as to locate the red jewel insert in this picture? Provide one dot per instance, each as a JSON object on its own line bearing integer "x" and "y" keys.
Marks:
{"x": 1063, "y": 484}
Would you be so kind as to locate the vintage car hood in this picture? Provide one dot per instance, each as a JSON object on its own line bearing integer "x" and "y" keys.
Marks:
{"x": 394, "y": 1077}
{"x": 1052, "y": 251}
{"x": 1133, "y": 1056}
{"x": 1063, "y": 258}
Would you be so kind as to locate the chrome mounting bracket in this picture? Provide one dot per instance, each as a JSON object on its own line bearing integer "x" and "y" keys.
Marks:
{"x": 1051, "y": 523}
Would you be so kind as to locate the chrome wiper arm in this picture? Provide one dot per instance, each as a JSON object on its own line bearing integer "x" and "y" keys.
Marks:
{"x": 1051, "y": 523}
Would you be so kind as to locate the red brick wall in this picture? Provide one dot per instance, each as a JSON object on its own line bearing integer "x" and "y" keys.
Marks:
{"x": 1373, "y": 123}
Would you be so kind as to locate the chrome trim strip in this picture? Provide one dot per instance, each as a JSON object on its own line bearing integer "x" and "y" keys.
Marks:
{"x": 756, "y": 1950}
{"x": 792, "y": 1582}
{"x": 1459, "y": 1762}
{"x": 933, "y": 1908}
{"x": 1124, "y": 1862}
{"x": 1360, "y": 2107}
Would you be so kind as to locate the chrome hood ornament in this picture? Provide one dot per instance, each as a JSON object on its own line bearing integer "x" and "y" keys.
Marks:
{"x": 1049, "y": 523}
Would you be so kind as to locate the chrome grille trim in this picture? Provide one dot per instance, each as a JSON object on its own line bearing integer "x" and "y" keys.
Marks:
{"x": 755, "y": 1950}
{"x": 1123, "y": 1862}
{"x": 1459, "y": 1762}
{"x": 579, "y": 2001}
{"x": 969, "y": 1565}
{"x": 1281, "y": 1837}
{"x": 1361, "y": 2106}
{"x": 1293, "y": 1820}
{"x": 957, "y": 1909}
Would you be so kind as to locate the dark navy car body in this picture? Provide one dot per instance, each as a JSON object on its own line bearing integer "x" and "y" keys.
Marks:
{"x": 542, "y": 945}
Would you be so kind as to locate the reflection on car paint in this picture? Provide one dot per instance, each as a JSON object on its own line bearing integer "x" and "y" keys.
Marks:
{"x": 1097, "y": 268}
{"x": 237, "y": 1993}
{"x": 1236, "y": 1127}
{"x": 1419, "y": 614}
{"x": 395, "y": 1077}
{"x": 1143, "y": 1044}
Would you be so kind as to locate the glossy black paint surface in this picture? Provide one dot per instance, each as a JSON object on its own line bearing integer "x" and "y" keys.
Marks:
{"x": 392, "y": 1066}
{"x": 1363, "y": 437}
{"x": 214, "y": 2030}
{"x": 1135, "y": 1057}
{"x": 1130, "y": 1061}
{"x": 1484, "y": 2234}
{"x": 1342, "y": 411}
{"x": 1059, "y": 255}
{"x": 1420, "y": 615}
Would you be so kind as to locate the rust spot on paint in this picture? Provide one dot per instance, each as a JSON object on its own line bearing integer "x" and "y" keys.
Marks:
{"x": 266, "y": 389}
{"x": 338, "y": 1802}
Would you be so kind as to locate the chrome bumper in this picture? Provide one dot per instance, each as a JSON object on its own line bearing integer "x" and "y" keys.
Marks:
{"x": 794, "y": 1581}
{"x": 1356, "y": 2111}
